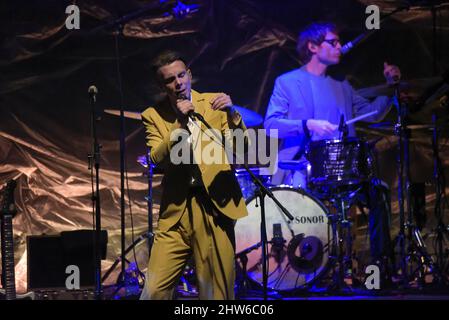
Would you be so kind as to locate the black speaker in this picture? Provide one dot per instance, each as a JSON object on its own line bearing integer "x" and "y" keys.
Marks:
{"x": 49, "y": 255}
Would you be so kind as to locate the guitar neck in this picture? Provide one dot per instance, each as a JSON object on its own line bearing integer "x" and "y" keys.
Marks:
{"x": 8, "y": 273}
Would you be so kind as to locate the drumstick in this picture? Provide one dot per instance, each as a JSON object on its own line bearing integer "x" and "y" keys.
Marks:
{"x": 363, "y": 116}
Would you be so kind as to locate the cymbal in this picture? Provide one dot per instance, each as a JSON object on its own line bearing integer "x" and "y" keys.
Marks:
{"x": 391, "y": 126}
{"x": 250, "y": 118}
{"x": 295, "y": 165}
{"x": 128, "y": 114}
{"x": 413, "y": 88}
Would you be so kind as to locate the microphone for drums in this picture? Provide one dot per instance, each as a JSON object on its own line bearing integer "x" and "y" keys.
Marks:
{"x": 351, "y": 44}
{"x": 278, "y": 241}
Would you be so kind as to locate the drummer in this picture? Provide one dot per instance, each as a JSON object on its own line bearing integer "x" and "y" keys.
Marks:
{"x": 307, "y": 104}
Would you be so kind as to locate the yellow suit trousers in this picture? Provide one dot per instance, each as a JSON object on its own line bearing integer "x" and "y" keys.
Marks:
{"x": 206, "y": 234}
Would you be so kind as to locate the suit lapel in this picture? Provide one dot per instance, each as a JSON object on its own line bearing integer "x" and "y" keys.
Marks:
{"x": 305, "y": 89}
{"x": 198, "y": 101}
{"x": 168, "y": 114}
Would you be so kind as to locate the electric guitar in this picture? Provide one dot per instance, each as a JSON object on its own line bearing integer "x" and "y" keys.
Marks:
{"x": 7, "y": 212}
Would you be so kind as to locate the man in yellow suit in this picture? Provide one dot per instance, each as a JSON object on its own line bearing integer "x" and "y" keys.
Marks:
{"x": 201, "y": 199}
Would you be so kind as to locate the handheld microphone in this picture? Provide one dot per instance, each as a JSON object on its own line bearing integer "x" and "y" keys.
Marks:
{"x": 191, "y": 114}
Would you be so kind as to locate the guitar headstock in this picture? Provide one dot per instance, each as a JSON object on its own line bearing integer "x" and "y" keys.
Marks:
{"x": 8, "y": 206}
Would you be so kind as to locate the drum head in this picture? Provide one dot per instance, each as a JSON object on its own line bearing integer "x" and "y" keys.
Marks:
{"x": 303, "y": 257}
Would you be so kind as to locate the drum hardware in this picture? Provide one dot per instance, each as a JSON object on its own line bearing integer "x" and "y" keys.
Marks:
{"x": 261, "y": 193}
{"x": 341, "y": 250}
{"x": 146, "y": 236}
{"x": 338, "y": 169}
{"x": 440, "y": 185}
{"x": 409, "y": 239}
{"x": 243, "y": 282}
{"x": 124, "y": 279}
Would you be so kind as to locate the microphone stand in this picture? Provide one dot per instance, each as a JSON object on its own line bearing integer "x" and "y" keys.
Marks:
{"x": 119, "y": 30}
{"x": 150, "y": 201}
{"x": 117, "y": 25}
{"x": 243, "y": 257}
{"x": 261, "y": 192}
{"x": 95, "y": 157}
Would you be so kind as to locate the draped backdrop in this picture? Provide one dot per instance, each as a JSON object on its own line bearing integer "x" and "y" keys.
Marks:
{"x": 234, "y": 46}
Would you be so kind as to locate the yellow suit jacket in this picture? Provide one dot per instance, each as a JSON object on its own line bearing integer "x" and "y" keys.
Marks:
{"x": 219, "y": 179}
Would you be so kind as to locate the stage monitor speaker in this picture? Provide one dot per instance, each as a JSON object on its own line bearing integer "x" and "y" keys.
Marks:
{"x": 49, "y": 256}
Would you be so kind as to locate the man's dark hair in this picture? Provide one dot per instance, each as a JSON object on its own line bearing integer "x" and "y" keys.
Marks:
{"x": 165, "y": 58}
{"x": 315, "y": 33}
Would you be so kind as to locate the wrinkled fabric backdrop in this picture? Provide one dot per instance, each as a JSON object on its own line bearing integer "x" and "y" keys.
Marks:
{"x": 235, "y": 46}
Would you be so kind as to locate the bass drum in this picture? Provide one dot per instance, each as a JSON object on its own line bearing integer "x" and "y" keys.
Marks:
{"x": 298, "y": 251}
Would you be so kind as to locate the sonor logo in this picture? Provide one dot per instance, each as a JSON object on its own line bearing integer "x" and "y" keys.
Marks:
{"x": 311, "y": 220}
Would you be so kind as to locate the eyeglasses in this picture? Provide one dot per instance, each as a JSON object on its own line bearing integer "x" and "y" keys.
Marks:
{"x": 332, "y": 42}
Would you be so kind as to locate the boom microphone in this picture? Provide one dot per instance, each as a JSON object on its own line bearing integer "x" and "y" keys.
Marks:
{"x": 351, "y": 44}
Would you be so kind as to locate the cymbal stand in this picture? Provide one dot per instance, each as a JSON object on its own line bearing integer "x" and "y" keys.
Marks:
{"x": 411, "y": 244}
{"x": 401, "y": 132}
{"x": 440, "y": 185}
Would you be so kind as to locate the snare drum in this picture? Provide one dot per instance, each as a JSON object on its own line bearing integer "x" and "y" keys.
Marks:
{"x": 338, "y": 162}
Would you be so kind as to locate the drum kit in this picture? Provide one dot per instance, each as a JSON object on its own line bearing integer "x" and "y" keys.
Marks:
{"x": 317, "y": 243}
{"x": 318, "y": 239}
